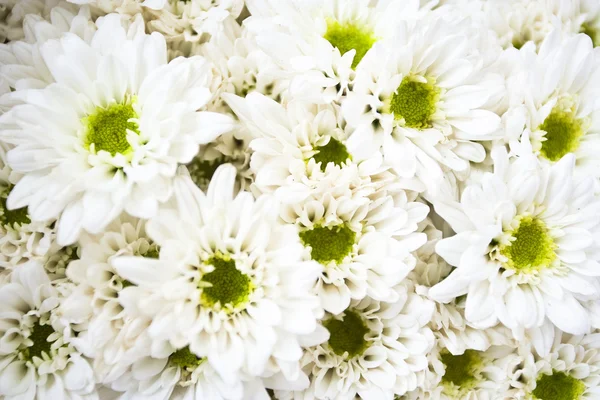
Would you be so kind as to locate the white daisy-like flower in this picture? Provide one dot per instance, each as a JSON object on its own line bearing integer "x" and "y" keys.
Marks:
{"x": 448, "y": 321}
{"x": 21, "y": 239}
{"x": 229, "y": 281}
{"x": 374, "y": 350}
{"x": 420, "y": 98}
{"x": 108, "y": 135}
{"x": 183, "y": 375}
{"x": 561, "y": 113}
{"x": 36, "y": 360}
{"x": 525, "y": 248}
{"x": 364, "y": 243}
{"x": 472, "y": 375}
{"x": 191, "y": 20}
{"x": 323, "y": 41}
{"x": 13, "y": 12}
{"x": 570, "y": 371}
{"x": 92, "y": 307}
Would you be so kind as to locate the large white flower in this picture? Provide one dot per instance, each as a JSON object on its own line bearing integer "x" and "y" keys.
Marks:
{"x": 364, "y": 243}
{"x": 36, "y": 359}
{"x": 570, "y": 371}
{"x": 229, "y": 281}
{"x": 561, "y": 113}
{"x": 526, "y": 248}
{"x": 420, "y": 98}
{"x": 374, "y": 350}
{"x": 323, "y": 41}
{"x": 108, "y": 135}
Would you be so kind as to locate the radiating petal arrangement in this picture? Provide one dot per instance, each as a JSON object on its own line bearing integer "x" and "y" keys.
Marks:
{"x": 299, "y": 199}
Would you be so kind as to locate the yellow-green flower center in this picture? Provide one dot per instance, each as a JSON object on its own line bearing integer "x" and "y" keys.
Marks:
{"x": 461, "y": 369}
{"x": 201, "y": 171}
{"x": 333, "y": 152}
{"x": 11, "y": 218}
{"x": 558, "y": 386}
{"x": 39, "y": 336}
{"x": 107, "y": 128}
{"x": 347, "y": 335}
{"x": 184, "y": 358}
{"x": 563, "y": 132}
{"x": 349, "y": 36}
{"x": 228, "y": 285}
{"x": 332, "y": 243}
{"x": 415, "y": 102}
{"x": 531, "y": 247}
{"x": 592, "y": 32}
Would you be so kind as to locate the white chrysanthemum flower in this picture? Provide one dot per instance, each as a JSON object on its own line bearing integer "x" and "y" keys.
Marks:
{"x": 183, "y": 375}
{"x": 471, "y": 375}
{"x": 122, "y": 6}
{"x": 21, "y": 239}
{"x": 525, "y": 248}
{"x": 109, "y": 134}
{"x": 230, "y": 280}
{"x": 13, "y": 13}
{"x": 570, "y": 371}
{"x": 561, "y": 113}
{"x": 591, "y": 25}
{"x": 92, "y": 306}
{"x": 374, "y": 350}
{"x": 364, "y": 243}
{"x": 323, "y": 41}
{"x": 36, "y": 360}
{"x": 420, "y": 99}
{"x": 190, "y": 20}
{"x": 448, "y": 321}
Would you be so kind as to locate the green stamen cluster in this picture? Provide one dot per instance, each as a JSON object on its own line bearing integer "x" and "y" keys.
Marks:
{"x": 532, "y": 248}
{"x": 39, "y": 336}
{"x": 349, "y": 36}
{"x": 592, "y": 32}
{"x": 184, "y": 358}
{"x": 461, "y": 370}
{"x": 229, "y": 286}
{"x": 558, "y": 386}
{"x": 347, "y": 335}
{"x": 563, "y": 132}
{"x": 201, "y": 171}
{"x": 107, "y": 128}
{"x": 11, "y": 218}
{"x": 333, "y": 152}
{"x": 328, "y": 244}
{"x": 415, "y": 102}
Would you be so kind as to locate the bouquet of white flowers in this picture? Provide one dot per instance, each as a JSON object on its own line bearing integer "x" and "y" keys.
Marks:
{"x": 300, "y": 199}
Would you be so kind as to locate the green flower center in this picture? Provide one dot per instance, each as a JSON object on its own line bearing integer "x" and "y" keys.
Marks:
{"x": 228, "y": 285}
{"x": 415, "y": 102}
{"x": 12, "y": 218}
{"x": 558, "y": 386}
{"x": 329, "y": 244}
{"x": 347, "y": 335}
{"x": 592, "y": 32}
{"x": 184, "y": 358}
{"x": 531, "y": 247}
{"x": 107, "y": 128}
{"x": 350, "y": 36}
{"x": 461, "y": 370}
{"x": 39, "y": 336}
{"x": 333, "y": 152}
{"x": 563, "y": 132}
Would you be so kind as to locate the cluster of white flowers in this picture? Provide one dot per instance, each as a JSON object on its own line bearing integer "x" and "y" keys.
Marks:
{"x": 299, "y": 199}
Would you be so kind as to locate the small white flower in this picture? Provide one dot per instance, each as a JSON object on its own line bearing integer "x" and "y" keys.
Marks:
{"x": 111, "y": 130}
{"x": 229, "y": 281}
{"x": 36, "y": 360}
{"x": 525, "y": 248}
{"x": 420, "y": 98}
{"x": 373, "y": 350}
